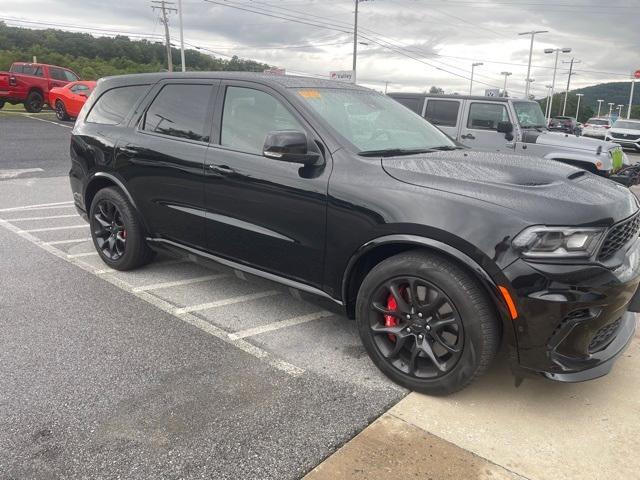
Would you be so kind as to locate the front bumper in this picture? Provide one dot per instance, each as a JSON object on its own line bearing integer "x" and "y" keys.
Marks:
{"x": 624, "y": 143}
{"x": 574, "y": 320}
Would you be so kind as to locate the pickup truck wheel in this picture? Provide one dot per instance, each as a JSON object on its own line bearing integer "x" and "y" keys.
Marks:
{"x": 1, "y": 104}
{"x": 426, "y": 323}
{"x": 34, "y": 102}
{"x": 117, "y": 233}
{"x": 61, "y": 111}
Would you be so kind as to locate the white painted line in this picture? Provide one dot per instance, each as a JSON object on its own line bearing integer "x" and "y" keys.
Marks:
{"x": 80, "y": 255}
{"x": 104, "y": 271}
{"x": 38, "y": 206}
{"x": 178, "y": 283}
{"x": 282, "y": 324}
{"x": 226, "y": 301}
{"x": 27, "y": 219}
{"x": 16, "y": 172}
{"x": 51, "y": 229}
{"x": 165, "y": 306}
{"x": 72, "y": 240}
{"x": 49, "y": 121}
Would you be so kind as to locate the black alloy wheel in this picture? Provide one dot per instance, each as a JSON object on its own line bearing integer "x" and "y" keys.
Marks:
{"x": 426, "y": 322}
{"x": 416, "y": 327}
{"x": 109, "y": 230}
{"x": 61, "y": 111}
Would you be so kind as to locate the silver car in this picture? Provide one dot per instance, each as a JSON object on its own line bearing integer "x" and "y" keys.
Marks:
{"x": 625, "y": 133}
{"x": 508, "y": 125}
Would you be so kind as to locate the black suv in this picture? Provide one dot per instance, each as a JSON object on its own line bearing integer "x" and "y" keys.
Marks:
{"x": 438, "y": 252}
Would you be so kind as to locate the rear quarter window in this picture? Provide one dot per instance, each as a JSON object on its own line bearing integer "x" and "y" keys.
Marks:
{"x": 113, "y": 105}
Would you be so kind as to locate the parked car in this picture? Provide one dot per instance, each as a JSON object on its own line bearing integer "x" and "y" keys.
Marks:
{"x": 439, "y": 252}
{"x": 564, "y": 124}
{"x": 67, "y": 101}
{"x": 514, "y": 126}
{"x": 625, "y": 133}
{"x": 596, "y": 127}
{"x": 30, "y": 83}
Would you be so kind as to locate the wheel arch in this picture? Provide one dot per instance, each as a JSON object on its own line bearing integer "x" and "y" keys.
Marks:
{"x": 379, "y": 249}
{"x": 102, "y": 180}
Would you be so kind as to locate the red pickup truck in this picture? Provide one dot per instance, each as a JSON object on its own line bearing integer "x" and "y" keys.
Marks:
{"x": 29, "y": 83}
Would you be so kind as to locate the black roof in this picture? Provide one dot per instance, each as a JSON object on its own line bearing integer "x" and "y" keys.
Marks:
{"x": 456, "y": 97}
{"x": 286, "y": 81}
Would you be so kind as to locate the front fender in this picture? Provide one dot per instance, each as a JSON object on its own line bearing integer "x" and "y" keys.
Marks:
{"x": 602, "y": 162}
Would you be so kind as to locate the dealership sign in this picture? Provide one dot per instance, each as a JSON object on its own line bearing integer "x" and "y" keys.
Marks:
{"x": 492, "y": 92}
{"x": 342, "y": 76}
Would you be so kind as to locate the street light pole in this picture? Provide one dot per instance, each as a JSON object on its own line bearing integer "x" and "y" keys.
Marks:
{"x": 355, "y": 39}
{"x": 620, "y": 110}
{"x": 555, "y": 70}
{"x": 184, "y": 65}
{"x": 533, "y": 34}
{"x": 546, "y": 109}
{"x": 473, "y": 66}
{"x": 599, "y": 105}
{"x": 579, "y": 95}
{"x": 504, "y": 89}
{"x": 633, "y": 84}
{"x": 611, "y": 108}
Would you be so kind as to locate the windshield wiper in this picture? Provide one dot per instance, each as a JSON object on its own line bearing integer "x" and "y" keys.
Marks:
{"x": 446, "y": 148}
{"x": 392, "y": 152}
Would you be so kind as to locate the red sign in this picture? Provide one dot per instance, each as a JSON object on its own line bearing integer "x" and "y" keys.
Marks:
{"x": 637, "y": 74}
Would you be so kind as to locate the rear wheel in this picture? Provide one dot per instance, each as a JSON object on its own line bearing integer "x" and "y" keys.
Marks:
{"x": 117, "y": 233}
{"x": 1, "y": 104}
{"x": 61, "y": 111}
{"x": 426, "y": 323}
{"x": 34, "y": 102}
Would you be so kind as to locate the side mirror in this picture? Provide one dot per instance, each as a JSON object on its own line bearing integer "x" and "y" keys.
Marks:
{"x": 291, "y": 146}
{"x": 505, "y": 127}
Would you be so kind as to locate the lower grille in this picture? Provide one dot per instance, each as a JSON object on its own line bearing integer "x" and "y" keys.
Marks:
{"x": 626, "y": 136}
{"x": 604, "y": 336}
{"x": 618, "y": 236}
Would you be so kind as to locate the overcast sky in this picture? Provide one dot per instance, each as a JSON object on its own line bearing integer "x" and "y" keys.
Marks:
{"x": 440, "y": 35}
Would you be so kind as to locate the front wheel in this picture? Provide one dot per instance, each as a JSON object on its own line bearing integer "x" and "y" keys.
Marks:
{"x": 61, "y": 111}
{"x": 117, "y": 233}
{"x": 426, "y": 323}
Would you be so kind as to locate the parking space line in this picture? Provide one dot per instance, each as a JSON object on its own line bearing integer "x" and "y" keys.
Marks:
{"x": 38, "y": 206}
{"x": 178, "y": 283}
{"x": 250, "y": 332}
{"x": 226, "y": 301}
{"x": 165, "y": 306}
{"x": 52, "y": 217}
{"x": 104, "y": 271}
{"x": 51, "y": 229}
{"x": 80, "y": 255}
{"x": 49, "y": 121}
{"x": 71, "y": 240}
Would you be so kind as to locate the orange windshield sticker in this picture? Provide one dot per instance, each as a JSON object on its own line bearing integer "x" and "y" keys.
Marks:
{"x": 309, "y": 93}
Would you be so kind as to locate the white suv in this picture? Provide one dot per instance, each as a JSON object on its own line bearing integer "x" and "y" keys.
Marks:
{"x": 625, "y": 133}
{"x": 596, "y": 127}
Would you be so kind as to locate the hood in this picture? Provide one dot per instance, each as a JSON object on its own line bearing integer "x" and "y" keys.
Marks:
{"x": 537, "y": 190}
{"x": 626, "y": 131}
{"x": 571, "y": 141}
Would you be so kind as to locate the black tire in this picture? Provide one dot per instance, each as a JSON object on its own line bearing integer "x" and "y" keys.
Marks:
{"x": 118, "y": 235}
{"x": 61, "y": 111}
{"x": 1, "y": 104}
{"x": 466, "y": 315}
{"x": 34, "y": 102}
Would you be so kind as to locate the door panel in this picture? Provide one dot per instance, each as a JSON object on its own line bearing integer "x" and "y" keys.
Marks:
{"x": 264, "y": 212}
{"x": 479, "y": 130}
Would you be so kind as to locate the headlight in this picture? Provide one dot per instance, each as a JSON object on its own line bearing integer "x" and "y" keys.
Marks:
{"x": 558, "y": 242}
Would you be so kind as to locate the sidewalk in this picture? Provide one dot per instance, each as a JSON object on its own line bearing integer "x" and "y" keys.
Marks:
{"x": 492, "y": 430}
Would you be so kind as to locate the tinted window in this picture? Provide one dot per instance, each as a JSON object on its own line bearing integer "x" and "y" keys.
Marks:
{"x": 180, "y": 111}
{"x": 113, "y": 106}
{"x": 16, "y": 68}
{"x": 249, "y": 115}
{"x": 79, "y": 88}
{"x": 32, "y": 70}
{"x": 485, "y": 116}
{"x": 57, "y": 74}
{"x": 442, "y": 112}
{"x": 412, "y": 103}
{"x": 70, "y": 76}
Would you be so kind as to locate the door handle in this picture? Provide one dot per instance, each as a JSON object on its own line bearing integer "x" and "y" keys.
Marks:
{"x": 469, "y": 136}
{"x": 221, "y": 169}
{"x": 129, "y": 151}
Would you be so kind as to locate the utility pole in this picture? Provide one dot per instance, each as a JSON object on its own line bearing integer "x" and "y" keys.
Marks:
{"x": 566, "y": 93}
{"x": 355, "y": 39}
{"x": 473, "y": 67}
{"x": 579, "y": 95}
{"x": 184, "y": 65}
{"x": 165, "y": 7}
{"x": 533, "y": 34}
{"x": 504, "y": 89}
{"x": 599, "y": 105}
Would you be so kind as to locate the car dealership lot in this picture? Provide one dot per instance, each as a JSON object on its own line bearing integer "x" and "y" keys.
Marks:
{"x": 175, "y": 370}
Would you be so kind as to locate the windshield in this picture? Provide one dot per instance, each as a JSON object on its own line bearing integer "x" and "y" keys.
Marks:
{"x": 529, "y": 114}
{"x": 374, "y": 122}
{"x": 627, "y": 125}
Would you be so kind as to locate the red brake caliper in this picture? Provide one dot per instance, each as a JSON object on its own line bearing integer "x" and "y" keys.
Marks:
{"x": 390, "y": 320}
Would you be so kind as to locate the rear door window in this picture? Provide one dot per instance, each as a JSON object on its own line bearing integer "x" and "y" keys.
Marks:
{"x": 69, "y": 76}
{"x": 113, "y": 106}
{"x": 180, "y": 110}
{"x": 486, "y": 116}
{"x": 442, "y": 112}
